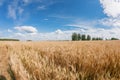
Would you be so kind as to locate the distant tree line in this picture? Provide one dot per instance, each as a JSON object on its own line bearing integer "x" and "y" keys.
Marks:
{"x": 77, "y": 37}
{"x": 9, "y": 40}
{"x": 29, "y": 40}
{"x": 83, "y": 37}
{"x": 114, "y": 39}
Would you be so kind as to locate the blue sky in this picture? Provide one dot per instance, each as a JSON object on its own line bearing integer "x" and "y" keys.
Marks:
{"x": 58, "y": 19}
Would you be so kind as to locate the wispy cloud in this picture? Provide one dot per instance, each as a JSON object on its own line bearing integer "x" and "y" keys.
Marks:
{"x": 14, "y": 10}
{"x": 111, "y": 9}
{"x": 85, "y": 24}
{"x": 61, "y": 16}
{"x": 1, "y": 2}
{"x": 9, "y": 30}
{"x": 11, "y": 12}
{"x": 112, "y": 22}
{"x": 20, "y": 10}
{"x": 90, "y": 27}
{"x": 46, "y": 19}
{"x": 43, "y": 7}
{"x": 26, "y": 2}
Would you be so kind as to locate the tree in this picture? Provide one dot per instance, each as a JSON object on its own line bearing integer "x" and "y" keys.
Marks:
{"x": 114, "y": 39}
{"x": 29, "y": 40}
{"x": 83, "y": 37}
{"x": 93, "y": 38}
{"x": 88, "y": 37}
{"x": 74, "y": 37}
{"x": 9, "y": 40}
{"x": 79, "y": 37}
{"x": 100, "y": 38}
{"x": 97, "y": 38}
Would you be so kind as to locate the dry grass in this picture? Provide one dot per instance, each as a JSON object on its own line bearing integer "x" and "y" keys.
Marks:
{"x": 94, "y": 60}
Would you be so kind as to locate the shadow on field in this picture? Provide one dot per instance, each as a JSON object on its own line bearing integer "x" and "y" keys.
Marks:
{"x": 2, "y": 77}
{"x": 11, "y": 73}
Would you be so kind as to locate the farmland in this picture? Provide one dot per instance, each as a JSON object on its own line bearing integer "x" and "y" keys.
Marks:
{"x": 65, "y": 60}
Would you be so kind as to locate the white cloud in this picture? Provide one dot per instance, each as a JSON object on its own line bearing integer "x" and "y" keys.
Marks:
{"x": 27, "y": 29}
{"x": 59, "y": 31}
{"x": 111, "y": 7}
{"x": 11, "y": 12}
{"x": 26, "y": 1}
{"x": 9, "y": 30}
{"x": 112, "y": 10}
{"x": 20, "y": 10}
{"x": 62, "y": 34}
{"x": 15, "y": 10}
{"x": 91, "y": 28}
{"x": 112, "y": 22}
{"x": 82, "y": 27}
{"x": 60, "y": 16}
{"x": 17, "y": 7}
{"x": 43, "y": 7}
{"x": 19, "y": 35}
{"x": 46, "y": 19}
{"x": 55, "y": 35}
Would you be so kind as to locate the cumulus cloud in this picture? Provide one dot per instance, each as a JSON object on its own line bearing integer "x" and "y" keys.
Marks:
{"x": 112, "y": 10}
{"x": 59, "y": 31}
{"x": 27, "y": 29}
{"x": 111, "y": 7}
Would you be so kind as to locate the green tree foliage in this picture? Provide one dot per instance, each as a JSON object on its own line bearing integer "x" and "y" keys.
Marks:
{"x": 83, "y": 37}
{"x": 97, "y": 38}
{"x": 9, "y": 39}
{"x": 74, "y": 37}
{"x": 100, "y": 38}
{"x": 114, "y": 39}
{"x": 29, "y": 40}
{"x": 79, "y": 37}
{"x": 88, "y": 37}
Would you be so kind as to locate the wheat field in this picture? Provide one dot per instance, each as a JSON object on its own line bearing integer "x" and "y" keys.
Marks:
{"x": 60, "y": 60}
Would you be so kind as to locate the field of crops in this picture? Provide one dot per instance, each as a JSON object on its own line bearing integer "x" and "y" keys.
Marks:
{"x": 65, "y": 60}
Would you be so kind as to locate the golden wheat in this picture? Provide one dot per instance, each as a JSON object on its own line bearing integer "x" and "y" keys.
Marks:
{"x": 88, "y": 60}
